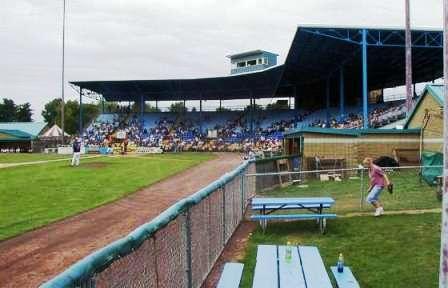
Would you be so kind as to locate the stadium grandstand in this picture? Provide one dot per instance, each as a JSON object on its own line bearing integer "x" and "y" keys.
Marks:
{"x": 333, "y": 78}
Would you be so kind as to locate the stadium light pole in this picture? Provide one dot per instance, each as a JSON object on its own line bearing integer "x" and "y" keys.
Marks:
{"x": 408, "y": 57}
{"x": 443, "y": 271}
{"x": 63, "y": 75}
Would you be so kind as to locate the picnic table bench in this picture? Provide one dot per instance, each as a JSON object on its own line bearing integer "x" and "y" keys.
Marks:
{"x": 231, "y": 275}
{"x": 267, "y": 206}
{"x": 344, "y": 279}
{"x": 304, "y": 269}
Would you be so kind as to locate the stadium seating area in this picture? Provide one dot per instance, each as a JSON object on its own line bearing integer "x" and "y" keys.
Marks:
{"x": 227, "y": 131}
{"x": 379, "y": 115}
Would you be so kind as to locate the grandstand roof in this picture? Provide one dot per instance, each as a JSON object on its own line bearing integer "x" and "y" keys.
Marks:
{"x": 347, "y": 132}
{"x": 260, "y": 84}
{"x": 316, "y": 54}
{"x": 31, "y": 128}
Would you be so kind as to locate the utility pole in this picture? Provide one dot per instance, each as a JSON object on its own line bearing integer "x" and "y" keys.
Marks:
{"x": 63, "y": 74}
{"x": 408, "y": 58}
{"x": 443, "y": 271}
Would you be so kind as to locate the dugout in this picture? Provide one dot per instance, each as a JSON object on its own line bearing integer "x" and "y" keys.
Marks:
{"x": 19, "y": 135}
{"x": 346, "y": 148}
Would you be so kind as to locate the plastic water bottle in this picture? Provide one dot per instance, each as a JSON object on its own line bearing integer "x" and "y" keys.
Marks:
{"x": 288, "y": 253}
{"x": 340, "y": 264}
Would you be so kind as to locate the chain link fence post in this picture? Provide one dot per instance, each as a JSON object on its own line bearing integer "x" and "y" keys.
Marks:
{"x": 186, "y": 227}
{"x": 243, "y": 197}
{"x": 223, "y": 190}
{"x": 361, "y": 201}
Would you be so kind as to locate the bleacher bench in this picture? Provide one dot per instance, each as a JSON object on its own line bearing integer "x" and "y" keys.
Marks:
{"x": 231, "y": 275}
{"x": 321, "y": 218}
{"x": 344, "y": 279}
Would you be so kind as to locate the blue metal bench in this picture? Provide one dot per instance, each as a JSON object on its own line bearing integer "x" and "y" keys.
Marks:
{"x": 344, "y": 279}
{"x": 304, "y": 269}
{"x": 231, "y": 275}
{"x": 267, "y": 206}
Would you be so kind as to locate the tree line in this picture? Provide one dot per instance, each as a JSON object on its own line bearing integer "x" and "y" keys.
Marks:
{"x": 12, "y": 112}
{"x": 52, "y": 114}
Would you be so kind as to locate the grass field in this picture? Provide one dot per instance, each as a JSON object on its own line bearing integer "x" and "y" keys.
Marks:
{"x": 409, "y": 193}
{"x": 35, "y": 195}
{"x": 390, "y": 251}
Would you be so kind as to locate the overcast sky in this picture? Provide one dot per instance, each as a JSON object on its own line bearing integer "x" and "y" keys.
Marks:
{"x": 148, "y": 39}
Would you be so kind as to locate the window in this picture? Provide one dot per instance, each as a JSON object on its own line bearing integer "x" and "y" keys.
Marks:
{"x": 260, "y": 61}
{"x": 265, "y": 60}
{"x": 251, "y": 62}
{"x": 241, "y": 64}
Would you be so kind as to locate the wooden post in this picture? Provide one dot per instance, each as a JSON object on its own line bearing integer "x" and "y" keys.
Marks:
{"x": 443, "y": 273}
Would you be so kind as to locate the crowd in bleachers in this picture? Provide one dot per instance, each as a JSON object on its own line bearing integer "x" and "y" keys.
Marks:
{"x": 223, "y": 131}
{"x": 100, "y": 129}
{"x": 381, "y": 116}
{"x": 378, "y": 117}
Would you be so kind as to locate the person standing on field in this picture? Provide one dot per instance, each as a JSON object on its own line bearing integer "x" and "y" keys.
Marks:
{"x": 378, "y": 180}
{"x": 76, "y": 151}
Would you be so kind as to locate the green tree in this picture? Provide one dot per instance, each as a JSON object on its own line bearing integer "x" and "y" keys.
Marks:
{"x": 24, "y": 113}
{"x": 148, "y": 108}
{"x": 277, "y": 106}
{"x": 8, "y": 110}
{"x": 257, "y": 107}
{"x": 178, "y": 107}
{"x": 52, "y": 114}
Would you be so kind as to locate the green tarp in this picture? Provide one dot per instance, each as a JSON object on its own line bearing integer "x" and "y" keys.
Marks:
{"x": 429, "y": 174}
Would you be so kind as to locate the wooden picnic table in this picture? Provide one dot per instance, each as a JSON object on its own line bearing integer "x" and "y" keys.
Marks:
{"x": 268, "y": 206}
{"x": 304, "y": 269}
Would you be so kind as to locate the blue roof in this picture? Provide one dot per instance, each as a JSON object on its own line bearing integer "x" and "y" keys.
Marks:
{"x": 348, "y": 132}
{"x": 437, "y": 92}
{"x": 32, "y": 128}
{"x": 15, "y": 135}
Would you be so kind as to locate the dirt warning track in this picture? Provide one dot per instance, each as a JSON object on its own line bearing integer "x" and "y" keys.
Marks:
{"x": 32, "y": 258}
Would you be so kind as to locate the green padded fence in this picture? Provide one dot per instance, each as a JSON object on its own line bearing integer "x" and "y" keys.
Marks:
{"x": 178, "y": 248}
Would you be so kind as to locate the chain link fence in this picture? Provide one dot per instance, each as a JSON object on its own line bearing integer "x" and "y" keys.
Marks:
{"x": 180, "y": 246}
{"x": 349, "y": 187}
{"x": 176, "y": 249}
